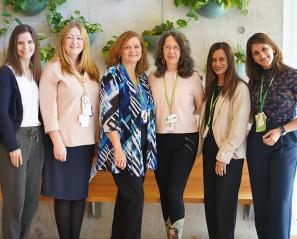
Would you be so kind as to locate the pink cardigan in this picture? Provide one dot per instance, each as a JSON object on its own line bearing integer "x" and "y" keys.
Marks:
{"x": 187, "y": 102}
{"x": 60, "y": 104}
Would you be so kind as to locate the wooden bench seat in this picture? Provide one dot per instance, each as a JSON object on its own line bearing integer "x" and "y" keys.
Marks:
{"x": 103, "y": 189}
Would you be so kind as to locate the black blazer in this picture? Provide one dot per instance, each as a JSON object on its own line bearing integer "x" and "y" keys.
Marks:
{"x": 11, "y": 109}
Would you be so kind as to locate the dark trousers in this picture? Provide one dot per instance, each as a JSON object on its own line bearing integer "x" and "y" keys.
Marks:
{"x": 176, "y": 156}
{"x": 127, "y": 216}
{"x": 21, "y": 186}
{"x": 220, "y": 192}
{"x": 272, "y": 171}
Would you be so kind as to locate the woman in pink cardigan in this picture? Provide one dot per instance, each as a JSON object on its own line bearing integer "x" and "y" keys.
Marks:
{"x": 178, "y": 94}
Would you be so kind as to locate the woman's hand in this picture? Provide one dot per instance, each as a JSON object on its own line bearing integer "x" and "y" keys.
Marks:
{"x": 120, "y": 160}
{"x": 60, "y": 151}
{"x": 271, "y": 137}
{"x": 16, "y": 157}
{"x": 220, "y": 168}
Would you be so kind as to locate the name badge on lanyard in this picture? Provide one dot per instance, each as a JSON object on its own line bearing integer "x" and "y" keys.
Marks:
{"x": 260, "y": 118}
{"x": 143, "y": 104}
{"x": 171, "y": 118}
{"x": 86, "y": 106}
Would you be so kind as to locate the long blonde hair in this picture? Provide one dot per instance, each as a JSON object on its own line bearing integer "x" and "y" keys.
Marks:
{"x": 85, "y": 62}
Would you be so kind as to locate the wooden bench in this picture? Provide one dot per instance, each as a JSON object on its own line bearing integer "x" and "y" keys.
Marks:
{"x": 103, "y": 189}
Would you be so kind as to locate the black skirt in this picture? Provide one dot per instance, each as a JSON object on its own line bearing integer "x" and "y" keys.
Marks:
{"x": 67, "y": 180}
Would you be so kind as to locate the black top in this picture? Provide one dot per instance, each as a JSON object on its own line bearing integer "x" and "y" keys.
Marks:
{"x": 216, "y": 91}
{"x": 11, "y": 109}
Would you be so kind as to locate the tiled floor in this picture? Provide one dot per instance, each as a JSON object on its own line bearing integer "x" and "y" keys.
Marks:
{"x": 44, "y": 226}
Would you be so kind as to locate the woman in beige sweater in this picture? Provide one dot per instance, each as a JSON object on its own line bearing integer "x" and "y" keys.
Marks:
{"x": 69, "y": 105}
{"x": 222, "y": 138}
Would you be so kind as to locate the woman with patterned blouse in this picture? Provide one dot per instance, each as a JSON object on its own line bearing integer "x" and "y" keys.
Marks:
{"x": 127, "y": 141}
{"x": 272, "y": 141}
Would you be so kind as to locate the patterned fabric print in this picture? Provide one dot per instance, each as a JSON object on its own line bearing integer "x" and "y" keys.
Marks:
{"x": 280, "y": 104}
{"x": 120, "y": 111}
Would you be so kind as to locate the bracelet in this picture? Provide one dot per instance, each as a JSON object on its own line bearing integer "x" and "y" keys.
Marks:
{"x": 282, "y": 130}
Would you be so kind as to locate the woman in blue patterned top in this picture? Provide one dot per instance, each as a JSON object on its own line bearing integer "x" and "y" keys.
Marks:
{"x": 272, "y": 141}
{"x": 128, "y": 141}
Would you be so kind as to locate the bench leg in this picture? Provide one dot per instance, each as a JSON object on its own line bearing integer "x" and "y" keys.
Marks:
{"x": 95, "y": 210}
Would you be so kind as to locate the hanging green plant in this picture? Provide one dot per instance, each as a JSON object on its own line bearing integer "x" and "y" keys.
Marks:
{"x": 56, "y": 21}
{"x": 196, "y": 5}
{"x": 108, "y": 45}
{"x": 26, "y": 7}
{"x": 240, "y": 56}
{"x": 152, "y": 36}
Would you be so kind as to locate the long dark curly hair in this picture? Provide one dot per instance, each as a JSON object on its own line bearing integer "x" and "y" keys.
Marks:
{"x": 185, "y": 66}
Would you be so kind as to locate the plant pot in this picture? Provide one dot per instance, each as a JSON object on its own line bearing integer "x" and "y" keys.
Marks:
{"x": 212, "y": 10}
{"x": 152, "y": 42}
{"x": 33, "y": 7}
{"x": 92, "y": 37}
{"x": 240, "y": 70}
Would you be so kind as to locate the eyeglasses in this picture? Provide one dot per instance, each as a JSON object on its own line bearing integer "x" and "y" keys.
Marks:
{"x": 168, "y": 48}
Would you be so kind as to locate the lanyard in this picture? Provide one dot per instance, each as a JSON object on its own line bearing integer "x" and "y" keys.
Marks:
{"x": 143, "y": 99}
{"x": 82, "y": 82}
{"x": 212, "y": 105}
{"x": 263, "y": 97}
{"x": 138, "y": 86}
{"x": 170, "y": 103}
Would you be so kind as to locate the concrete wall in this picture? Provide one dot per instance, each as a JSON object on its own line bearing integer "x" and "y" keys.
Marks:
{"x": 117, "y": 16}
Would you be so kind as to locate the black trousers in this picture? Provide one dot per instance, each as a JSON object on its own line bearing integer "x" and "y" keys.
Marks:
{"x": 127, "y": 217}
{"x": 220, "y": 192}
{"x": 176, "y": 156}
{"x": 272, "y": 171}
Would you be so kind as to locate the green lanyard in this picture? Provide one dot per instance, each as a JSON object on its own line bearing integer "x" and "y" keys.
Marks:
{"x": 212, "y": 105}
{"x": 82, "y": 83}
{"x": 170, "y": 103}
{"x": 141, "y": 93}
{"x": 263, "y": 97}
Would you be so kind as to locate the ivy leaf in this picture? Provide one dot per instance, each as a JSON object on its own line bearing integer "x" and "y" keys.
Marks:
{"x": 18, "y": 20}
{"x": 6, "y": 14}
{"x": 181, "y": 23}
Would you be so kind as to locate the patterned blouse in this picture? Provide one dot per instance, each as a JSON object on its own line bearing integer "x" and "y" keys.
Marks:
{"x": 280, "y": 104}
{"x": 120, "y": 110}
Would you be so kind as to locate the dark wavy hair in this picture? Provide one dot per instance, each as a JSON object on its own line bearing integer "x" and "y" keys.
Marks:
{"x": 253, "y": 70}
{"x": 12, "y": 57}
{"x": 231, "y": 77}
{"x": 185, "y": 66}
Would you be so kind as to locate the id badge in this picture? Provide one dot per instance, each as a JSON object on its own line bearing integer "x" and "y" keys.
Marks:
{"x": 170, "y": 127}
{"x": 84, "y": 120}
{"x": 170, "y": 119}
{"x": 260, "y": 122}
{"x": 205, "y": 133}
{"x": 86, "y": 105}
{"x": 144, "y": 116}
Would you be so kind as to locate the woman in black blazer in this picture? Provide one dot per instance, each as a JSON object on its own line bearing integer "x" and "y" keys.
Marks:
{"x": 21, "y": 141}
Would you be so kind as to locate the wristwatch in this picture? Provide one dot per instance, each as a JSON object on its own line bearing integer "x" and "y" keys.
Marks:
{"x": 282, "y": 130}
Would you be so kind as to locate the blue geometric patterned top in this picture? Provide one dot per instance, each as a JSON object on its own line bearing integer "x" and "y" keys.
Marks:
{"x": 120, "y": 110}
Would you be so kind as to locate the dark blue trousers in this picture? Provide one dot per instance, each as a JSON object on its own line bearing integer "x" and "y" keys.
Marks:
{"x": 272, "y": 171}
